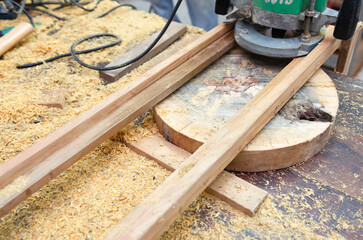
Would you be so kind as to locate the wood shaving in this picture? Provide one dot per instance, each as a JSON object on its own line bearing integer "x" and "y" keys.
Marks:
{"x": 91, "y": 197}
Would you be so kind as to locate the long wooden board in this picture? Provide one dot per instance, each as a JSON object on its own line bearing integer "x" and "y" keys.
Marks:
{"x": 154, "y": 215}
{"x": 53, "y": 154}
{"x": 233, "y": 190}
{"x": 175, "y": 31}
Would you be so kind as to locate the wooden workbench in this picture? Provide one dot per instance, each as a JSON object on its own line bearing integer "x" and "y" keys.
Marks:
{"x": 333, "y": 176}
{"x": 318, "y": 199}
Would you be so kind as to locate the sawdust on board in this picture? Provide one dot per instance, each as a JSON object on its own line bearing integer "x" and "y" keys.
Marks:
{"x": 91, "y": 197}
{"x": 14, "y": 187}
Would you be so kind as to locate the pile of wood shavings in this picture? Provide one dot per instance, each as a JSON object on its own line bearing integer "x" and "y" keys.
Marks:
{"x": 92, "y": 196}
{"x": 83, "y": 86}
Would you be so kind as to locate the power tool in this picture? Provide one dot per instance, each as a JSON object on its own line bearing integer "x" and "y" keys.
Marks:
{"x": 287, "y": 28}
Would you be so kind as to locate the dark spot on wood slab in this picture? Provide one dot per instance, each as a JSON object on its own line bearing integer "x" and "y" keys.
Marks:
{"x": 167, "y": 138}
{"x": 313, "y": 114}
{"x": 297, "y": 110}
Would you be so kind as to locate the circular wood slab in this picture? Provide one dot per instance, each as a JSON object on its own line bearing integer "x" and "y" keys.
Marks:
{"x": 192, "y": 114}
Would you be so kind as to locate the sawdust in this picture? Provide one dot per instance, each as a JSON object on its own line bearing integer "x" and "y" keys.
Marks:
{"x": 83, "y": 86}
{"x": 92, "y": 196}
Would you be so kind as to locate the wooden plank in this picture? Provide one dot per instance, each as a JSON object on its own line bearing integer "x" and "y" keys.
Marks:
{"x": 346, "y": 51}
{"x": 233, "y": 190}
{"x": 101, "y": 122}
{"x": 154, "y": 215}
{"x": 27, "y": 159}
{"x": 14, "y": 36}
{"x": 175, "y": 31}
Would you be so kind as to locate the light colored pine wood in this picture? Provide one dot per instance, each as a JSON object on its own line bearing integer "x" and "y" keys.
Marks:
{"x": 154, "y": 215}
{"x": 53, "y": 154}
{"x": 233, "y": 190}
{"x": 14, "y": 36}
{"x": 191, "y": 115}
{"x": 175, "y": 31}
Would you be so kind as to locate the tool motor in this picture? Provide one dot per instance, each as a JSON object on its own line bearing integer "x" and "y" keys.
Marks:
{"x": 287, "y": 28}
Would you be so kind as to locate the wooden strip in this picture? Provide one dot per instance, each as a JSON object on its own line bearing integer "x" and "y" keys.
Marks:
{"x": 346, "y": 51}
{"x": 40, "y": 151}
{"x": 154, "y": 215}
{"x": 175, "y": 31}
{"x": 99, "y": 130}
{"x": 233, "y": 190}
{"x": 14, "y": 36}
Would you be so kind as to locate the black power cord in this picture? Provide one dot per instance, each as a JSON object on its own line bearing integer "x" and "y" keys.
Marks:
{"x": 26, "y": 13}
{"x": 118, "y": 40}
{"x": 114, "y": 8}
{"x": 74, "y": 53}
{"x": 46, "y": 12}
{"x": 86, "y": 9}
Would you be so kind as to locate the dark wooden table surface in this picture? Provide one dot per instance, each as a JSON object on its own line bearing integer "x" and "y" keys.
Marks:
{"x": 333, "y": 176}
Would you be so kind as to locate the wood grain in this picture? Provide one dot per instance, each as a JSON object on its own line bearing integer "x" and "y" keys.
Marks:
{"x": 154, "y": 215}
{"x": 191, "y": 115}
{"x": 236, "y": 192}
{"x": 175, "y": 31}
{"x": 55, "y": 153}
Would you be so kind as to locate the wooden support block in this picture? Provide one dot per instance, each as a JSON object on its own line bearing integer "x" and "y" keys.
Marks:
{"x": 233, "y": 190}
{"x": 14, "y": 36}
{"x": 155, "y": 214}
{"x": 175, "y": 31}
{"x": 53, "y": 154}
{"x": 52, "y": 98}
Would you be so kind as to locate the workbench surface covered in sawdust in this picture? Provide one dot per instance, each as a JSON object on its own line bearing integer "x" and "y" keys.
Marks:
{"x": 91, "y": 197}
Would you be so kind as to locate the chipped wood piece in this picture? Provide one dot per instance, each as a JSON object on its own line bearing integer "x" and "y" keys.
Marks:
{"x": 175, "y": 31}
{"x": 53, "y": 154}
{"x": 228, "y": 187}
{"x": 52, "y": 98}
{"x": 155, "y": 214}
{"x": 346, "y": 51}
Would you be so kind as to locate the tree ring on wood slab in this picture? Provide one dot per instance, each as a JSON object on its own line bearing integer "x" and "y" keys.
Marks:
{"x": 192, "y": 114}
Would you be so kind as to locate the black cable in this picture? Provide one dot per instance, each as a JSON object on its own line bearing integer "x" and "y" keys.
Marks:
{"x": 46, "y": 12}
{"x": 21, "y": 7}
{"x": 26, "y": 13}
{"x": 65, "y": 4}
{"x": 74, "y": 53}
{"x": 113, "y": 9}
{"x": 45, "y": 3}
{"x": 132, "y": 60}
{"x": 86, "y": 9}
{"x": 118, "y": 40}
